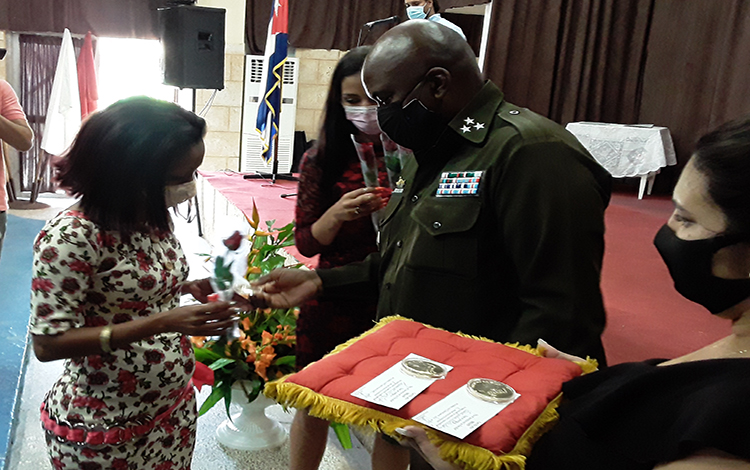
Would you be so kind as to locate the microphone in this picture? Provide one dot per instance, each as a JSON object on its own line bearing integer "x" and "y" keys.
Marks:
{"x": 392, "y": 19}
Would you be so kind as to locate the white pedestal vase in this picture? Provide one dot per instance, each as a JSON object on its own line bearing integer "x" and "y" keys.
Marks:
{"x": 250, "y": 429}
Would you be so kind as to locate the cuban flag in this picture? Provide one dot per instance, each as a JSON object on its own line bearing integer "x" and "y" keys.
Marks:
{"x": 267, "y": 123}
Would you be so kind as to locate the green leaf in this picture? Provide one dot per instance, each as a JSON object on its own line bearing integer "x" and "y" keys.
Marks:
{"x": 205, "y": 356}
{"x": 216, "y": 395}
{"x": 220, "y": 363}
{"x": 273, "y": 262}
{"x": 342, "y": 432}
{"x": 226, "y": 390}
{"x": 285, "y": 361}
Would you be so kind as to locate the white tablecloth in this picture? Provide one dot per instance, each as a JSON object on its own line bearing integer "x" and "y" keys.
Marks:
{"x": 626, "y": 151}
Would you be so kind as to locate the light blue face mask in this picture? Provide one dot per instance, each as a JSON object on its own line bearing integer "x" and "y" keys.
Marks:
{"x": 416, "y": 13}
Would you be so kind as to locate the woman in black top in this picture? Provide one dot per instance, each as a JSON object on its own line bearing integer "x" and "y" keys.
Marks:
{"x": 691, "y": 412}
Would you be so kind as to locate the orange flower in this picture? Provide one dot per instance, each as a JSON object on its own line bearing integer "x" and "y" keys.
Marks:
{"x": 246, "y": 323}
{"x": 253, "y": 270}
{"x": 198, "y": 341}
{"x": 263, "y": 360}
{"x": 246, "y": 343}
{"x": 266, "y": 338}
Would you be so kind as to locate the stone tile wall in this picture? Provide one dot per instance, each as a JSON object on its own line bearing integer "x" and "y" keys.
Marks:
{"x": 224, "y": 118}
{"x": 315, "y": 69}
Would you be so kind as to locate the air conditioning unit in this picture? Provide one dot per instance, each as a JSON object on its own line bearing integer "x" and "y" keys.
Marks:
{"x": 252, "y": 145}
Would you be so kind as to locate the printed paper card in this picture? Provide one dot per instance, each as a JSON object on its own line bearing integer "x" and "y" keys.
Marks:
{"x": 406, "y": 379}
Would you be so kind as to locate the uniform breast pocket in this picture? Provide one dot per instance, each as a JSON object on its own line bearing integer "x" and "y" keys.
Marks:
{"x": 447, "y": 242}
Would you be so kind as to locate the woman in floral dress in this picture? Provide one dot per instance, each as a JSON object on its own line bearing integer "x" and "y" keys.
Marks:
{"x": 108, "y": 273}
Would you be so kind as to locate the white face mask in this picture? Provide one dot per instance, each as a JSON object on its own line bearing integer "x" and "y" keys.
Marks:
{"x": 179, "y": 193}
{"x": 364, "y": 118}
{"x": 416, "y": 13}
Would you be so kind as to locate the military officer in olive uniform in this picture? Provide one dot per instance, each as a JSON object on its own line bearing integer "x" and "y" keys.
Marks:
{"x": 496, "y": 227}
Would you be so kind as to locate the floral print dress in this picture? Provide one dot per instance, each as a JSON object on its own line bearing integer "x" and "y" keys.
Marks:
{"x": 133, "y": 408}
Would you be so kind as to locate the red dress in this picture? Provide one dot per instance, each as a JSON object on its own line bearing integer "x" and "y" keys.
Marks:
{"x": 324, "y": 325}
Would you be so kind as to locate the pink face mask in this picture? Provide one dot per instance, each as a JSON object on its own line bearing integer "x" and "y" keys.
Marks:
{"x": 364, "y": 118}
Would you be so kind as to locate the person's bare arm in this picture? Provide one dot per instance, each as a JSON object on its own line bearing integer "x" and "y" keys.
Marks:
{"x": 16, "y": 133}
{"x": 201, "y": 320}
{"x": 709, "y": 459}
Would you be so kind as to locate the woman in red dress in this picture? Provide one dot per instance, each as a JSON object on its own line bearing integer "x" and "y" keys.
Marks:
{"x": 333, "y": 219}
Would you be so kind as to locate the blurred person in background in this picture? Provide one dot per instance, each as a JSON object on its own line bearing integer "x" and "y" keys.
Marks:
{"x": 15, "y": 131}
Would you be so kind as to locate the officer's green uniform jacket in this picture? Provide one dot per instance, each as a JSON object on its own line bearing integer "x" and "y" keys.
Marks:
{"x": 520, "y": 260}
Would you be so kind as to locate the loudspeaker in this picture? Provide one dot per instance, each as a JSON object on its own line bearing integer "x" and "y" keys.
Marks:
{"x": 193, "y": 40}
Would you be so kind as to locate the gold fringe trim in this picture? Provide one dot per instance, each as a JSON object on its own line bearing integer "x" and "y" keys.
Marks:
{"x": 466, "y": 455}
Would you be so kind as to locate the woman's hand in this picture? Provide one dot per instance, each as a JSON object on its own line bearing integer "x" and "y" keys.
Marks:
{"x": 358, "y": 203}
{"x": 200, "y": 320}
{"x": 285, "y": 288}
{"x": 199, "y": 289}
{"x": 351, "y": 206}
{"x": 416, "y": 438}
{"x": 209, "y": 319}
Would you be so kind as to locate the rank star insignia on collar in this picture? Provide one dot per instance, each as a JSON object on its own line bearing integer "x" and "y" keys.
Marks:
{"x": 469, "y": 121}
{"x": 466, "y": 129}
{"x": 479, "y": 125}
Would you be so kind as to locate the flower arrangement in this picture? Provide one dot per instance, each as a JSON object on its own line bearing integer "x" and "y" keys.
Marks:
{"x": 262, "y": 347}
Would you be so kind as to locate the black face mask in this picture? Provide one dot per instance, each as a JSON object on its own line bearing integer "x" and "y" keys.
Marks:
{"x": 690, "y": 265}
{"x": 412, "y": 126}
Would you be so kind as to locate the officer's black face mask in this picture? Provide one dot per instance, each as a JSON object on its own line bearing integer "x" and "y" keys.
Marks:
{"x": 412, "y": 126}
{"x": 690, "y": 265}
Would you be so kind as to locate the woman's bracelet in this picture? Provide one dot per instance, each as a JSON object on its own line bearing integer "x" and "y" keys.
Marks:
{"x": 104, "y": 338}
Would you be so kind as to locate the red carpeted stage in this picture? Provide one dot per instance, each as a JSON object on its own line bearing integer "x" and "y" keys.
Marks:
{"x": 646, "y": 317}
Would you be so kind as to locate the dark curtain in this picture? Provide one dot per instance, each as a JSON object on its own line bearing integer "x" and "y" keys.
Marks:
{"x": 675, "y": 63}
{"x": 696, "y": 74}
{"x": 571, "y": 60}
{"x": 39, "y": 56}
{"x": 333, "y": 24}
{"x": 111, "y": 18}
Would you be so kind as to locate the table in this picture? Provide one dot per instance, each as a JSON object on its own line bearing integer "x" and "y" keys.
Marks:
{"x": 226, "y": 200}
{"x": 627, "y": 150}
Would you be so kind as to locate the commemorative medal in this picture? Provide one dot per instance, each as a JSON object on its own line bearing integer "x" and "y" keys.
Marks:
{"x": 490, "y": 390}
{"x": 423, "y": 368}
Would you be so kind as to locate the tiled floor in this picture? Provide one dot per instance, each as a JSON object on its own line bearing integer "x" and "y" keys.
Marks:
{"x": 28, "y": 450}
